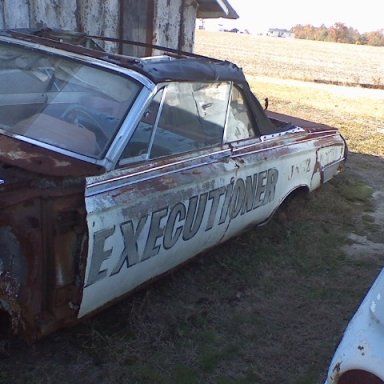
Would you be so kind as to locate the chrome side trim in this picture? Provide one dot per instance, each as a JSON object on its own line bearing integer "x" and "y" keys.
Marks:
{"x": 152, "y": 173}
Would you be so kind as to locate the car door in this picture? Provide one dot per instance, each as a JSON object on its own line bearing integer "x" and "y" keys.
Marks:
{"x": 271, "y": 165}
{"x": 169, "y": 197}
{"x": 184, "y": 184}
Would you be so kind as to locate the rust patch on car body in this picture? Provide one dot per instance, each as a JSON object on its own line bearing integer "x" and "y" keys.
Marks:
{"x": 42, "y": 160}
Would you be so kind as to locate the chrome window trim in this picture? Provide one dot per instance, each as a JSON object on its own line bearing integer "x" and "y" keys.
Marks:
{"x": 128, "y": 126}
{"x": 97, "y": 184}
{"x": 78, "y": 57}
{"x": 111, "y": 156}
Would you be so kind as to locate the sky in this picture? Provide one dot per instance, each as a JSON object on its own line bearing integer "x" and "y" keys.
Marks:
{"x": 259, "y": 15}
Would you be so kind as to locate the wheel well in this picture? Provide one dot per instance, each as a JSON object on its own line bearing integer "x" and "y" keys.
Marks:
{"x": 299, "y": 192}
{"x": 5, "y": 323}
{"x": 282, "y": 211}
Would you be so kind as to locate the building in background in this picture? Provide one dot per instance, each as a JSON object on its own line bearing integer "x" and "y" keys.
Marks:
{"x": 170, "y": 23}
{"x": 278, "y": 32}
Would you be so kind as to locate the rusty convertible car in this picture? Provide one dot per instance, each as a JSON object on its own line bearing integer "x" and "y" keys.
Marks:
{"x": 116, "y": 169}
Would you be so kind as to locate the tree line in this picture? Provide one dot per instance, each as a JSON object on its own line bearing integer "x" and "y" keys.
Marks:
{"x": 339, "y": 33}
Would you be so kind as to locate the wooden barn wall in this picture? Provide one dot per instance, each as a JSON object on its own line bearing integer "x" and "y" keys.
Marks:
{"x": 90, "y": 16}
{"x": 175, "y": 24}
{"x": 164, "y": 22}
{"x": 137, "y": 25}
{"x": 187, "y": 30}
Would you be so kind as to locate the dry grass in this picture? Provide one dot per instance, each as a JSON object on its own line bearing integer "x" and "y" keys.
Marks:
{"x": 358, "y": 113}
{"x": 295, "y": 59}
{"x": 282, "y": 70}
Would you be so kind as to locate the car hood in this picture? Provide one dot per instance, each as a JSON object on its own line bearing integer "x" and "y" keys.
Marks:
{"x": 30, "y": 157}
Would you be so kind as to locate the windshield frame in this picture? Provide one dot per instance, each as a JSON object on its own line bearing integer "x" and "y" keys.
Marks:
{"x": 132, "y": 77}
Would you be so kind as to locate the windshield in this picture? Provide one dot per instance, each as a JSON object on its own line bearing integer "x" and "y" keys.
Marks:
{"x": 61, "y": 102}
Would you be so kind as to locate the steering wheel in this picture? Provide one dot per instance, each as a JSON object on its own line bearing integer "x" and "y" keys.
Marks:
{"x": 82, "y": 117}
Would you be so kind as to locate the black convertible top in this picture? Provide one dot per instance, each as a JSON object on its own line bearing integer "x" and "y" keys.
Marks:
{"x": 175, "y": 65}
{"x": 192, "y": 69}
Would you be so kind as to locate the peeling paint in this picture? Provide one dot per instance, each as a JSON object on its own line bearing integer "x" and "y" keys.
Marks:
{"x": 170, "y": 28}
{"x": 78, "y": 233}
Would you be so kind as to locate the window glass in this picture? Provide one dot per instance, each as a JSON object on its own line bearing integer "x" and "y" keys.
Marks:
{"x": 183, "y": 117}
{"x": 61, "y": 102}
{"x": 138, "y": 146}
{"x": 240, "y": 122}
{"x": 192, "y": 117}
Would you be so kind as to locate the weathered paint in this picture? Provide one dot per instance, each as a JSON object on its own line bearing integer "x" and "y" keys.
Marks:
{"x": 14, "y": 14}
{"x": 174, "y": 26}
{"x": 171, "y": 25}
{"x": 100, "y": 18}
{"x": 136, "y": 24}
{"x": 188, "y": 27}
{"x": 53, "y": 13}
{"x": 72, "y": 242}
{"x": 43, "y": 161}
{"x": 361, "y": 349}
{"x": 113, "y": 246}
{"x": 133, "y": 243}
{"x": 190, "y": 209}
{"x": 93, "y": 17}
{"x": 43, "y": 237}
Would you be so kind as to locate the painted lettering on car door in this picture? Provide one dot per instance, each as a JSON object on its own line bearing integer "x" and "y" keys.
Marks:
{"x": 180, "y": 222}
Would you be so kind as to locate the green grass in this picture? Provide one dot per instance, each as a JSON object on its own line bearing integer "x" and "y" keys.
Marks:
{"x": 355, "y": 190}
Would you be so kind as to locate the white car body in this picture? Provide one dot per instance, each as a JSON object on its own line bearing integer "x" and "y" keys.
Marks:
{"x": 114, "y": 170}
{"x": 359, "y": 357}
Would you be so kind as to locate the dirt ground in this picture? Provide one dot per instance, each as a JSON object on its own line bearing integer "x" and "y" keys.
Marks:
{"x": 370, "y": 169}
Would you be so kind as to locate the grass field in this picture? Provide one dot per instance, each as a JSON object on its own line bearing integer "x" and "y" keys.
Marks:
{"x": 295, "y": 59}
{"x": 285, "y": 70}
{"x": 266, "y": 307}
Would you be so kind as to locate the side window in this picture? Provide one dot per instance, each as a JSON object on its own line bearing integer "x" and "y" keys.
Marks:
{"x": 182, "y": 117}
{"x": 138, "y": 146}
{"x": 192, "y": 117}
{"x": 240, "y": 122}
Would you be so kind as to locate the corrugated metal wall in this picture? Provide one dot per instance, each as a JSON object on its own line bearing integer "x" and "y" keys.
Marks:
{"x": 164, "y": 22}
